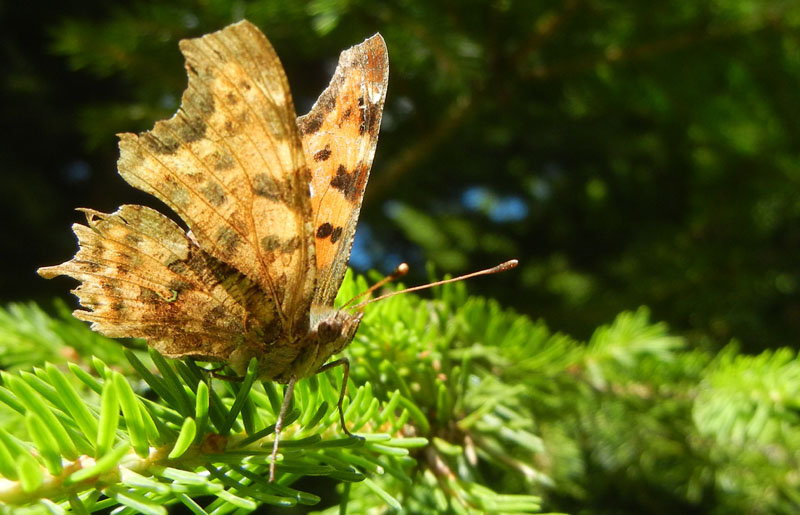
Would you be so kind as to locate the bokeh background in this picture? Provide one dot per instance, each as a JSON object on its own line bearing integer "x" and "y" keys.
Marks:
{"x": 627, "y": 153}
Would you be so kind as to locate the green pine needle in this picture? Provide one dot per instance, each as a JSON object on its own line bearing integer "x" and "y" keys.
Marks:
{"x": 460, "y": 406}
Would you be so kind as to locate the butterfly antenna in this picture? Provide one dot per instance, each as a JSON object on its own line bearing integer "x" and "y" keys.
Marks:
{"x": 400, "y": 271}
{"x": 502, "y": 267}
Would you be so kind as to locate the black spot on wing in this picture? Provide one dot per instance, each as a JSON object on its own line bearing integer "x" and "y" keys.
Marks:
{"x": 323, "y": 154}
{"x": 324, "y": 230}
{"x": 326, "y": 103}
{"x": 327, "y": 230}
{"x": 336, "y": 234}
{"x": 345, "y": 182}
{"x": 311, "y": 123}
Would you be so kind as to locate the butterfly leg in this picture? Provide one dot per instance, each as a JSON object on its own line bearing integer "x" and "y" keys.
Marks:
{"x": 214, "y": 372}
{"x": 225, "y": 377}
{"x": 287, "y": 401}
{"x": 344, "y": 362}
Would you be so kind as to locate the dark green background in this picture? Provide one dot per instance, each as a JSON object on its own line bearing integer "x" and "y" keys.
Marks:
{"x": 628, "y": 153}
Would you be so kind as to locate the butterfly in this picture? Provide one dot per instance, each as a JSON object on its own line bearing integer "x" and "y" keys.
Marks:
{"x": 271, "y": 202}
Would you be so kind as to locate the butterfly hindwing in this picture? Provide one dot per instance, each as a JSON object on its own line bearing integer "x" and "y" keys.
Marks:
{"x": 340, "y": 134}
{"x": 141, "y": 276}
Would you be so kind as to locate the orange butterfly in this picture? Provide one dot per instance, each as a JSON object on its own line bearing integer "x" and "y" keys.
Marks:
{"x": 271, "y": 202}
{"x": 257, "y": 274}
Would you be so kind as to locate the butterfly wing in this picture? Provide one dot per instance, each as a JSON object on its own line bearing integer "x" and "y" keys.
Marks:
{"x": 339, "y": 136}
{"x": 143, "y": 277}
{"x": 230, "y": 163}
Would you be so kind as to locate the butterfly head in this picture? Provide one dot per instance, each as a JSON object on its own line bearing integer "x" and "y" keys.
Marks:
{"x": 330, "y": 332}
{"x": 335, "y": 331}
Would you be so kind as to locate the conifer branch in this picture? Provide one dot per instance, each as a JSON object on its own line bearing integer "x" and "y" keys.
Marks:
{"x": 462, "y": 405}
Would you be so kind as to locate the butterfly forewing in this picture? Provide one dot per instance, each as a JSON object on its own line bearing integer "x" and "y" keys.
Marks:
{"x": 339, "y": 136}
{"x": 230, "y": 163}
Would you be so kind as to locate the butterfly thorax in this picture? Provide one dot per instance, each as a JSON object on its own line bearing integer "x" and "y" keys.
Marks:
{"x": 298, "y": 356}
